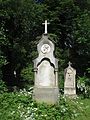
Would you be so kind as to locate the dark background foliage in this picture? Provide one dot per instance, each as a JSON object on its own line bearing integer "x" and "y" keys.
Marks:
{"x": 21, "y": 26}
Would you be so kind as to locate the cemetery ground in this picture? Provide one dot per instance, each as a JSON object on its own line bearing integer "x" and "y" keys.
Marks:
{"x": 86, "y": 116}
{"x": 20, "y": 106}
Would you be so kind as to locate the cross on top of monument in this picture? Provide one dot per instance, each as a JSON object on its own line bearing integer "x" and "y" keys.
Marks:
{"x": 69, "y": 63}
{"x": 46, "y": 23}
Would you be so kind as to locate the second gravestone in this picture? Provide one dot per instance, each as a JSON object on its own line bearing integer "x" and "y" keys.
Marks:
{"x": 46, "y": 73}
{"x": 70, "y": 82}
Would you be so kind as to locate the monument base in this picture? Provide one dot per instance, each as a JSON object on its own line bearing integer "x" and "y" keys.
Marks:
{"x": 46, "y": 95}
{"x": 70, "y": 92}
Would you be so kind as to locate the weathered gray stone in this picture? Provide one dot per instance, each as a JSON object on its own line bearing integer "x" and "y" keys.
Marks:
{"x": 47, "y": 95}
{"x": 46, "y": 72}
{"x": 69, "y": 83}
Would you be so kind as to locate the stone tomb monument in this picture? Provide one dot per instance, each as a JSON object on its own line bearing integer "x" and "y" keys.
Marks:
{"x": 70, "y": 83}
{"x": 46, "y": 72}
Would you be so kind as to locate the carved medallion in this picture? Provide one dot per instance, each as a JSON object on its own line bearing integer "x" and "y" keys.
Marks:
{"x": 45, "y": 48}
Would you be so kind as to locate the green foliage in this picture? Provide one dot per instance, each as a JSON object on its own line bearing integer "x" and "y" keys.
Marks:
{"x": 64, "y": 110}
{"x": 21, "y": 23}
{"x": 27, "y": 74}
{"x": 13, "y": 105}
{"x": 83, "y": 85}
{"x": 3, "y": 87}
{"x": 88, "y": 69}
{"x": 3, "y": 61}
{"x": 71, "y": 24}
{"x": 20, "y": 105}
{"x": 3, "y": 41}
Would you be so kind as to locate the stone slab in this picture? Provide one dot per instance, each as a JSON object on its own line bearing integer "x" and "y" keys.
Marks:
{"x": 46, "y": 95}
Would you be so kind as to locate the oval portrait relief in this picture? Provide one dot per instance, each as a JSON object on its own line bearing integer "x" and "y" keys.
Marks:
{"x": 45, "y": 48}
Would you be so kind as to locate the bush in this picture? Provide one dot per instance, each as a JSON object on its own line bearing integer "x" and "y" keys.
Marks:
{"x": 83, "y": 86}
{"x": 3, "y": 87}
{"x": 27, "y": 75}
{"x": 14, "y": 106}
{"x": 20, "y": 106}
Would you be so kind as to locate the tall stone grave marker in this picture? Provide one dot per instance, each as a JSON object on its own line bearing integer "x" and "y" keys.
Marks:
{"x": 70, "y": 83}
{"x": 46, "y": 72}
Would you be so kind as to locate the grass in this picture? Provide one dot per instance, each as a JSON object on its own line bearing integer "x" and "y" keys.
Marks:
{"x": 86, "y": 113}
{"x": 20, "y": 106}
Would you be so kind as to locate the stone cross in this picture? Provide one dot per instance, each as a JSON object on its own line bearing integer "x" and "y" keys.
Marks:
{"x": 46, "y": 23}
